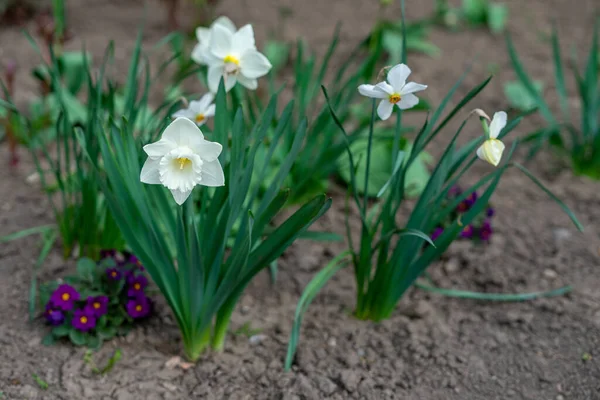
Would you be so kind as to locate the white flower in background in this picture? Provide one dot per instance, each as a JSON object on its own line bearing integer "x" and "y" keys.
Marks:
{"x": 396, "y": 92}
{"x": 491, "y": 150}
{"x": 182, "y": 159}
{"x": 234, "y": 57}
{"x": 200, "y": 53}
{"x": 198, "y": 111}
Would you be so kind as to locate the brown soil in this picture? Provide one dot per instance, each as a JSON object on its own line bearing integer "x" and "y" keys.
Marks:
{"x": 433, "y": 347}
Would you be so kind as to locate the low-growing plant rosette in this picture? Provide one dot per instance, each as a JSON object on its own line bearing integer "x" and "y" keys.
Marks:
{"x": 101, "y": 301}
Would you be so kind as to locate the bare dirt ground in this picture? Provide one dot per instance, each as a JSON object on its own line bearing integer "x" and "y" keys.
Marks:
{"x": 433, "y": 347}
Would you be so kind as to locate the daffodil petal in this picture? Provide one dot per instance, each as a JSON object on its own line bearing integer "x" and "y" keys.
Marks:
{"x": 181, "y": 131}
{"x": 160, "y": 148}
{"x": 187, "y": 113}
{"x": 225, "y": 23}
{"x": 250, "y": 84}
{"x": 198, "y": 53}
{"x": 210, "y": 151}
{"x": 180, "y": 196}
{"x": 254, "y": 65}
{"x": 384, "y": 110}
{"x": 212, "y": 174}
{"x": 369, "y": 91}
{"x": 215, "y": 72}
{"x": 498, "y": 123}
{"x": 150, "y": 172}
{"x": 412, "y": 87}
{"x": 384, "y": 87}
{"x": 243, "y": 40}
{"x": 203, "y": 34}
{"x": 220, "y": 41}
{"x": 230, "y": 81}
{"x": 398, "y": 75}
{"x": 205, "y": 101}
{"x": 210, "y": 111}
{"x": 491, "y": 151}
{"x": 407, "y": 101}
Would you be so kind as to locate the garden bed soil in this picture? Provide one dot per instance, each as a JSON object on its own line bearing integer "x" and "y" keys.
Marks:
{"x": 432, "y": 347}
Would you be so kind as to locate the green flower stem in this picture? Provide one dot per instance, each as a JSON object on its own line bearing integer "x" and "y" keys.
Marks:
{"x": 194, "y": 346}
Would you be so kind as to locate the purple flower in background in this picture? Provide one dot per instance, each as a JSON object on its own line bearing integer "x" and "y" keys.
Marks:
{"x": 98, "y": 305}
{"x": 54, "y": 315}
{"x": 113, "y": 274}
{"x": 437, "y": 232}
{"x": 137, "y": 284}
{"x": 131, "y": 259}
{"x": 84, "y": 320}
{"x": 467, "y": 203}
{"x": 64, "y": 297}
{"x": 138, "y": 307}
{"x": 454, "y": 191}
{"x": 486, "y": 231}
{"x": 108, "y": 253}
{"x": 490, "y": 212}
{"x": 467, "y": 232}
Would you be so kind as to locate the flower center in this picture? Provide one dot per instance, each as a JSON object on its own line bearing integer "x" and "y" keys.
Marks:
{"x": 65, "y": 296}
{"x": 394, "y": 98}
{"x": 137, "y": 286}
{"x": 83, "y": 320}
{"x": 96, "y": 306}
{"x": 232, "y": 65}
{"x": 138, "y": 308}
{"x": 199, "y": 118}
{"x": 113, "y": 274}
{"x": 183, "y": 162}
{"x": 231, "y": 60}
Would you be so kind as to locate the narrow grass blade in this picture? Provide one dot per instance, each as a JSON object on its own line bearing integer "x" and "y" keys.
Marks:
{"x": 562, "y": 205}
{"x": 508, "y": 297}
{"x": 26, "y": 232}
{"x": 308, "y": 295}
{"x": 49, "y": 238}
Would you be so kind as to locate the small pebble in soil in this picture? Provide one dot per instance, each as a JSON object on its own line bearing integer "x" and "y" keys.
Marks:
{"x": 332, "y": 342}
{"x": 561, "y": 234}
{"x": 451, "y": 266}
{"x": 550, "y": 274}
{"x": 256, "y": 339}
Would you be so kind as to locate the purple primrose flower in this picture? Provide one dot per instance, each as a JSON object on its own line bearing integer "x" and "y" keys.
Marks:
{"x": 84, "y": 319}
{"x": 54, "y": 315}
{"x": 64, "y": 297}
{"x": 98, "y": 305}
{"x": 138, "y": 307}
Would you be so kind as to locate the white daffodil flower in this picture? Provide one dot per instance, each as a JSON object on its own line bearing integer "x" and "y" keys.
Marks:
{"x": 198, "y": 111}
{"x": 234, "y": 57}
{"x": 182, "y": 159}
{"x": 393, "y": 92}
{"x": 201, "y": 51}
{"x": 491, "y": 150}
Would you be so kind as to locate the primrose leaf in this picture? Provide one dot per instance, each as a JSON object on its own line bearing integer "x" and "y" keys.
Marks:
{"x": 474, "y": 10}
{"x": 86, "y": 268}
{"x": 77, "y": 337}
{"x": 380, "y": 172}
{"x": 277, "y": 53}
{"x": 518, "y": 96}
{"x": 107, "y": 333}
{"x": 497, "y": 15}
{"x": 61, "y": 330}
{"x": 94, "y": 342}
